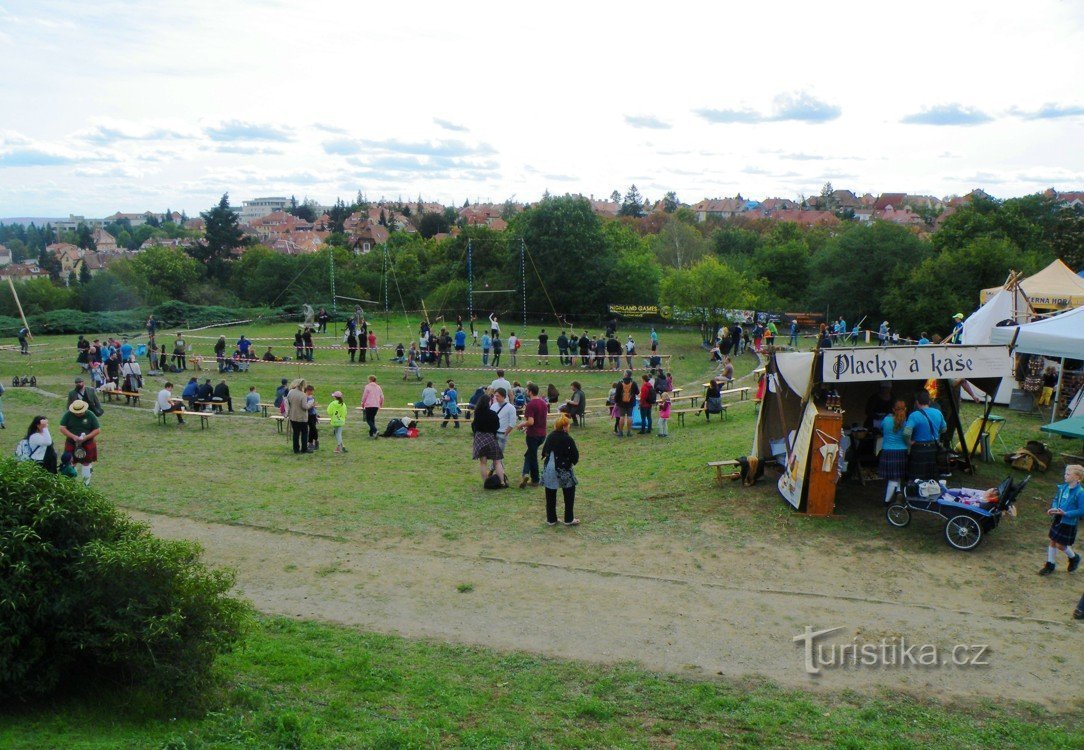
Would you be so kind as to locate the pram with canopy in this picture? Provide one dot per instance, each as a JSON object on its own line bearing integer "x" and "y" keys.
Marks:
{"x": 966, "y": 514}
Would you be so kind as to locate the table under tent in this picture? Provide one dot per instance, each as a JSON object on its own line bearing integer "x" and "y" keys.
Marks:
{"x": 815, "y": 400}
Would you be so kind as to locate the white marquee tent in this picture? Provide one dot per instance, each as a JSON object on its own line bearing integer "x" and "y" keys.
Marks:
{"x": 1057, "y": 336}
{"x": 1007, "y": 304}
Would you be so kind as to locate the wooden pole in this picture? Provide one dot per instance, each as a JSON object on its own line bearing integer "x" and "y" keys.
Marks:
{"x": 19, "y": 305}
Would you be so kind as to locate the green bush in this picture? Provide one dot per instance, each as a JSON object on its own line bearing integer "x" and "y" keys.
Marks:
{"x": 88, "y": 593}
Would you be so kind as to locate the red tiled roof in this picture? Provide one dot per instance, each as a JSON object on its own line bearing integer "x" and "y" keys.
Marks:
{"x": 889, "y": 199}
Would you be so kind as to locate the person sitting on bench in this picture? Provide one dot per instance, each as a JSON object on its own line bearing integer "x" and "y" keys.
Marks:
{"x": 164, "y": 403}
{"x": 191, "y": 393}
{"x": 221, "y": 395}
{"x": 574, "y": 407}
{"x": 429, "y": 399}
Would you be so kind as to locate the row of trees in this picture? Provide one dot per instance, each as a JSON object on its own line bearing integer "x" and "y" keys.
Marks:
{"x": 576, "y": 263}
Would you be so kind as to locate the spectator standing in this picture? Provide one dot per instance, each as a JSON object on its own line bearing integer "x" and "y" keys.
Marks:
{"x": 1065, "y": 511}
{"x": 543, "y": 348}
{"x": 534, "y": 425}
{"x": 664, "y": 415}
{"x": 497, "y": 351}
{"x": 562, "y": 349}
{"x": 372, "y": 398}
{"x": 460, "y": 344}
{"x": 450, "y": 401}
{"x": 297, "y": 413}
{"x": 625, "y": 400}
{"x": 87, "y": 395}
{"x": 647, "y": 400}
{"x": 486, "y": 344}
{"x": 40, "y": 443}
{"x": 513, "y": 347}
{"x": 336, "y": 411}
{"x": 80, "y": 428}
{"x": 506, "y": 418}
{"x": 485, "y": 447}
{"x": 560, "y": 455}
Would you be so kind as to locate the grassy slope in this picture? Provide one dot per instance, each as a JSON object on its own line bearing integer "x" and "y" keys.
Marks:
{"x": 351, "y": 689}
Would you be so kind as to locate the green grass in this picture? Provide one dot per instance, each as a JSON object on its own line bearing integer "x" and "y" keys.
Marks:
{"x": 306, "y": 685}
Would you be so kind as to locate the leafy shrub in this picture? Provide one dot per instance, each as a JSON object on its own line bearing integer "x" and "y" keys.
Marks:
{"x": 86, "y": 592}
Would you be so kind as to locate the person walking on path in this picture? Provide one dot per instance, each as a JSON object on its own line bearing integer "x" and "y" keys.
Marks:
{"x": 297, "y": 412}
{"x": 534, "y": 425}
{"x": 80, "y": 428}
{"x": 485, "y": 447}
{"x": 559, "y": 455}
{"x": 793, "y": 341}
{"x": 1066, "y": 511}
{"x": 336, "y": 410}
{"x": 372, "y": 398}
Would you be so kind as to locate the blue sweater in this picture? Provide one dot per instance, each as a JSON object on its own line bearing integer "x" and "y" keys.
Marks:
{"x": 1071, "y": 500}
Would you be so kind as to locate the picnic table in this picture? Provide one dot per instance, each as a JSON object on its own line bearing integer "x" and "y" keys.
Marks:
{"x": 1073, "y": 427}
{"x": 127, "y": 394}
{"x": 204, "y": 416}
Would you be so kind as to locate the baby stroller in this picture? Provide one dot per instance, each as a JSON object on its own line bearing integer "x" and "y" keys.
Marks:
{"x": 966, "y": 514}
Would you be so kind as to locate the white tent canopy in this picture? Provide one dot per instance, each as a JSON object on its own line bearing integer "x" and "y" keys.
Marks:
{"x": 1007, "y": 304}
{"x": 1057, "y": 336}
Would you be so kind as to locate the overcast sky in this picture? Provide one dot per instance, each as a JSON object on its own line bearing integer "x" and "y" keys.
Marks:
{"x": 108, "y": 106}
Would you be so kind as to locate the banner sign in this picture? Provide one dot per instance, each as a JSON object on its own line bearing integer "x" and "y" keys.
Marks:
{"x": 912, "y": 363}
{"x": 792, "y": 483}
{"x": 640, "y": 311}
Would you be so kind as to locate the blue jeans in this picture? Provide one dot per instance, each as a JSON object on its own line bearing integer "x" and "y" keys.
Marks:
{"x": 530, "y": 456}
{"x": 645, "y": 419}
{"x": 485, "y": 357}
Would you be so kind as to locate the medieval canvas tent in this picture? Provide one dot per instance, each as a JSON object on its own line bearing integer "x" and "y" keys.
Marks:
{"x": 1009, "y": 303}
{"x": 1056, "y": 287}
{"x": 785, "y": 429}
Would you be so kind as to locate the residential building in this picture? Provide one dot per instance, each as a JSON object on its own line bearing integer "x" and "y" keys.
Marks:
{"x": 5, "y": 256}
{"x": 725, "y": 208}
{"x": 259, "y": 207}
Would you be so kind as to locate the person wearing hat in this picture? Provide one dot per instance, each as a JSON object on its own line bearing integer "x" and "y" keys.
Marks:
{"x": 957, "y": 335}
{"x": 336, "y": 410}
{"x": 87, "y": 395}
{"x": 80, "y": 428}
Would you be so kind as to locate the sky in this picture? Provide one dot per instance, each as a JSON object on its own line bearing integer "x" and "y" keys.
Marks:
{"x": 123, "y": 106}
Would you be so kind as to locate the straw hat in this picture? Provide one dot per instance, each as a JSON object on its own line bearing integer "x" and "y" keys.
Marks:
{"x": 78, "y": 407}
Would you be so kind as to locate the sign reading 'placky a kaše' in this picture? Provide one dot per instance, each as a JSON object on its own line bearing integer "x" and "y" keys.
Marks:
{"x": 912, "y": 363}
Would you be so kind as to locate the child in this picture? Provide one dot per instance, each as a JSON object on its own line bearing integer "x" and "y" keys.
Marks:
{"x": 314, "y": 418}
{"x": 450, "y": 397}
{"x": 664, "y": 415}
{"x": 1066, "y": 510}
{"x": 66, "y": 468}
{"x": 337, "y": 411}
{"x": 615, "y": 412}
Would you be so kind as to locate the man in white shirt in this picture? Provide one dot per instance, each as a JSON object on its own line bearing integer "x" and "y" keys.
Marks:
{"x": 163, "y": 404}
{"x": 501, "y": 382}
{"x": 506, "y": 415}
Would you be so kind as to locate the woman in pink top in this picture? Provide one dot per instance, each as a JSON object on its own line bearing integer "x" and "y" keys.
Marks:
{"x": 372, "y": 398}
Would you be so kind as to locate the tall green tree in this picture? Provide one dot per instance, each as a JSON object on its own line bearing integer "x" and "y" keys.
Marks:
{"x": 670, "y": 202}
{"x": 221, "y": 235}
{"x": 633, "y": 204}
{"x": 678, "y": 245}
{"x": 85, "y": 237}
{"x": 701, "y": 293}
{"x": 570, "y": 255}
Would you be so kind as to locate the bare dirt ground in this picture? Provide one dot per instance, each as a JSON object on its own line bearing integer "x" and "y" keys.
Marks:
{"x": 708, "y": 612}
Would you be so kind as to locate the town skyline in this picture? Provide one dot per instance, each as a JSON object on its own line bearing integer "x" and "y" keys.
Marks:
{"x": 113, "y": 109}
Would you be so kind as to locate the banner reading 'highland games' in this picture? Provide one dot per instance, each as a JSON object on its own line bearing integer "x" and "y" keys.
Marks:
{"x": 640, "y": 311}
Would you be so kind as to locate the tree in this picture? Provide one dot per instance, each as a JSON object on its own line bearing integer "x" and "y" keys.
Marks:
{"x": 85, "y": 237}
{"x": 615, "y": 197}
{"x": 160, "y": 274}
{"x": 785, "y": 268}
{"x": 828, "y": 200}
{"x": 670, "y": 202}
{"x": 701, "y": 293}
{"x": 730, "y": 241}
{"x": 633, "y": 205}
{"x": 568, "y": 253}
{"x": 430, "y": 224}
{"x": 221, "y": 236}
{"x": 678, "y": 245}
{"x": 84, "y": 273}
{"x": 47, "y": 261}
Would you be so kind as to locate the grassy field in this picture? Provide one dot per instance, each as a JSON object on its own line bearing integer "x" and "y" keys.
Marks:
{"x": 307, "y": 685}
{"x": 314, "y": 685}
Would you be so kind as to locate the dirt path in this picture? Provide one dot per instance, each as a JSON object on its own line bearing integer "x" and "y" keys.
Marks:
{"x": 680, "y": 618}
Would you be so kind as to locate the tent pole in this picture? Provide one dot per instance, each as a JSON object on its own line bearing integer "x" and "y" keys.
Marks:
{"x": 1057, "y": 392}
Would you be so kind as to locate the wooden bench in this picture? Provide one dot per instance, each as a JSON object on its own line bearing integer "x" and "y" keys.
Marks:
{"x": 204, "y": 417}
{"x": 682, "y": 412}
{"x": 743, "y": 392}
{"x": 127, "y": 394}
{"x": 280, "y": 421}
{"x": 719, "y": 477}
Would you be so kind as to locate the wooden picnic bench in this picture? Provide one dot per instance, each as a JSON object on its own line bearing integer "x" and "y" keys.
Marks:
{"x": 719, "y": 477}
{"x": 742, "y": 391}
{"x": 127, "y": 394}
{"x": 280, "y": 421}
{"x": 682, "y": 412}
{"x": 204, "y": 417}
